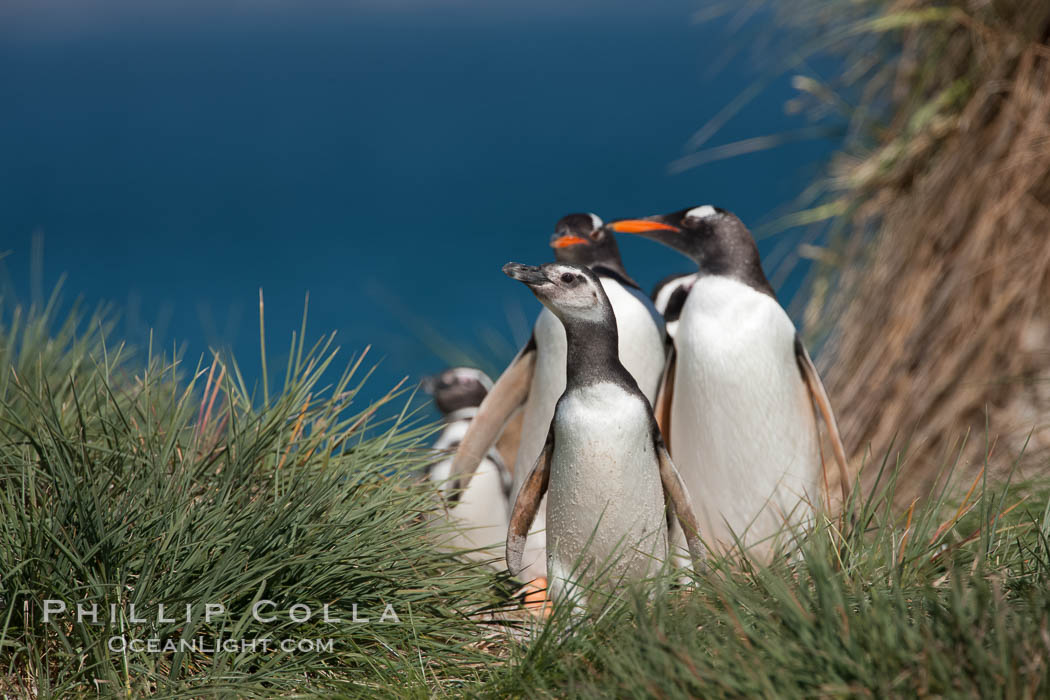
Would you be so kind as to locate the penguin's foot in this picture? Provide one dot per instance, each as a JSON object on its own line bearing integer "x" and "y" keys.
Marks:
{"x": 535, "y": 597}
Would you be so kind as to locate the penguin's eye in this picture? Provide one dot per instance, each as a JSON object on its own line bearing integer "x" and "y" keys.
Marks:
{"x": 597, "y": 233}
{"x": 568, "y": 277}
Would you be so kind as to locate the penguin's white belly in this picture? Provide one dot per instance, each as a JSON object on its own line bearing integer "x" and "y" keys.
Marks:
{"x": 481, "y": 516}
{"x": 743, "y": 433}
{"x": 605, "y": 497}
{"x": 641, "y": 353}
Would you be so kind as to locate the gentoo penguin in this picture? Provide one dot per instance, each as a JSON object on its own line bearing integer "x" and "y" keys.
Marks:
{"x": 609, "y": 480}
{"x": 481, "y": 514}
{"x": 536, "y": 377}
{"x": 669, "y": 297}
{"x": 742, "y": 425}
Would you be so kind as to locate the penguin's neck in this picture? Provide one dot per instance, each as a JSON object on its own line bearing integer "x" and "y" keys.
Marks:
{"x": 735, "y": 257}
{"x": 592, "y": 352}
{"x": 747, "y": 271}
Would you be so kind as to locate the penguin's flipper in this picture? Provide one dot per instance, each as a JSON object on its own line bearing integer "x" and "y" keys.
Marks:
{"x": 507, "y": 394}
{"x": 528, "y": 502}
{"x": 819, "y": 396}
{"x": 678, "y": 497}
{"x": 665, "y": 394}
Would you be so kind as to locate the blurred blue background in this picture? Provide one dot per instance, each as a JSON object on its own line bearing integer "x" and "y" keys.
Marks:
{"x": 387, "y": 157}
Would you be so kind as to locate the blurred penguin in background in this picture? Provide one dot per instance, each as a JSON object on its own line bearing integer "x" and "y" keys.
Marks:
{"x": 481, "y": 514}
{"x": 669, "y": 297}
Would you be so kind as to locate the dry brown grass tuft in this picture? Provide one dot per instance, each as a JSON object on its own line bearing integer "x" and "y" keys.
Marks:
{"x": 941, "y": 332}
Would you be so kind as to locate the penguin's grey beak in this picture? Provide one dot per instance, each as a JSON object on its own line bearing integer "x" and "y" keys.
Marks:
{"x": 641, "y": 226}
{"x": 528, "y": 274}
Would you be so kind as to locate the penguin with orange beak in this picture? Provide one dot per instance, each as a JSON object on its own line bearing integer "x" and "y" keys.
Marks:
{"x": 535, "y": 379}
{"x": 740, "y": 393}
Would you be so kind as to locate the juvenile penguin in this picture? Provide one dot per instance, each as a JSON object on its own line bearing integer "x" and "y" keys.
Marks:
{"x": 609, "y": 479}
{"x": 742, "y": 420}
{"x": 536, "y": 377}
{"x": 481, "y": 514}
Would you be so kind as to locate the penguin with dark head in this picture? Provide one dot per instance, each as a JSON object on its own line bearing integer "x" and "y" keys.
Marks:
{"x": 582, "y": 239}
{"x": 457, "y": 388}
{"x": 715, "y": 239}
{"x": 479, "y": 517}
{"x": 738, "y": 398}
{"x": 669, "y": 295}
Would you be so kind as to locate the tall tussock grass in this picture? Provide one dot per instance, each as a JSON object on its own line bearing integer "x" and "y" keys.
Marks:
{"x": 130, "y": 480}
{"x": 932, "y": 297}
{"x": 146, "y": 482}
{"x": 946, "y": 599}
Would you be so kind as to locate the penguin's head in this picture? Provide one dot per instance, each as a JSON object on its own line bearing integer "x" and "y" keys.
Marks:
{"x": 457, "y": 388}
{"x": 572, "y": 292}
{"x": 582, "y": 239}
{"x": 714, "y": 238}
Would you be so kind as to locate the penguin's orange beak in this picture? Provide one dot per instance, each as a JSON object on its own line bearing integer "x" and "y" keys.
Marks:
{"x": 567, "y": 240}
{"x": 640, "y": 226}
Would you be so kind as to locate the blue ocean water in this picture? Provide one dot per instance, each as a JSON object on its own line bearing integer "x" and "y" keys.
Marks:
{"x": 385, "y": 158}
